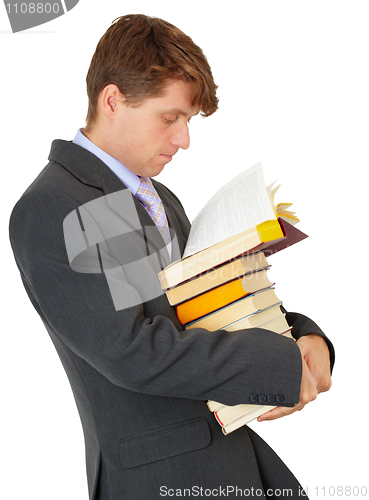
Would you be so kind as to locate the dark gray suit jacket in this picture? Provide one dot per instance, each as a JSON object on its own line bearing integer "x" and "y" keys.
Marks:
{"x": 140, "y": 382}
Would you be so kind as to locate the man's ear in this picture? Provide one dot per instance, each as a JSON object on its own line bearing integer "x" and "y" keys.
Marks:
{"x": 110, "y": 99}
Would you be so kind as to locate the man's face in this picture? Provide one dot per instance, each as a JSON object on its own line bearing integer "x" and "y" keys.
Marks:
{"x": 145, "y": 138}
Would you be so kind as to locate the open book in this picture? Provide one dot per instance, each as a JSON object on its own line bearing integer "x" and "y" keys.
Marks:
{"x": 240, "y": 218}
{"x": 242, "y": 203}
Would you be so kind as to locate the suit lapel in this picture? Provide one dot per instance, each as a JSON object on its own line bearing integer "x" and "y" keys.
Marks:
{"x": 91, "y": 171}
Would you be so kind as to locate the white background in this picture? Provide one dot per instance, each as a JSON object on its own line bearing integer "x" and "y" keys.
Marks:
{"x": 293, "y": 88}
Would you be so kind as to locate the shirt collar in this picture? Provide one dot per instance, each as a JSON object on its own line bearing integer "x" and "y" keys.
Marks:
{"x": 131, "y": 180}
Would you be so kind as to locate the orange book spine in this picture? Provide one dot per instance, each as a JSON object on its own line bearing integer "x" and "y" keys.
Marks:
{"x": 210, "y": 301}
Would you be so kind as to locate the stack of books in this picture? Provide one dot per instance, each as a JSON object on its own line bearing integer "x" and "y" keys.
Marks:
{"x": 224, "y": 284}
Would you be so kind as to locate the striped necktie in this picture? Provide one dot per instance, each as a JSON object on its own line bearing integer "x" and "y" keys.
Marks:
{"x": 153, "y": 205}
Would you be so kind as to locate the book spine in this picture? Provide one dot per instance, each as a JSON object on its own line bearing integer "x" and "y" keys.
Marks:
{"x": 245, "y": 419}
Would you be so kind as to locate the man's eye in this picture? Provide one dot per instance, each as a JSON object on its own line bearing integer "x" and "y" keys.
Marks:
{"x": 169, "y": 120}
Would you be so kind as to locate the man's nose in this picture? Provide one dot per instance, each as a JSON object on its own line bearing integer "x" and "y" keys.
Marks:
{"x": 181, "y": 137}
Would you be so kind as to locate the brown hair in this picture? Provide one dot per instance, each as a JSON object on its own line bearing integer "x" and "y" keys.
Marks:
{"x": 139, "y": 54}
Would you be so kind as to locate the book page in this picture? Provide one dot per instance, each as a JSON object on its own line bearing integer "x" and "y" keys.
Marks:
{"x": 240, "y": 204}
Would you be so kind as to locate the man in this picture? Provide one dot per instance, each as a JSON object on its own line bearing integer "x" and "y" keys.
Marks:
{"x": 78, "y": 232}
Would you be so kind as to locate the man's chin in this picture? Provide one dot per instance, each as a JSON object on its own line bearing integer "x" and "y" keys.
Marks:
{"x": 159, "y": 167}
{"x": 153, "y": 171}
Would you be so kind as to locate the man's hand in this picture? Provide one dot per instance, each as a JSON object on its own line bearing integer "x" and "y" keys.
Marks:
{"x": 314, "y": 351}
{"x": 316, "y": 375}
{"x": 308, "y": 392}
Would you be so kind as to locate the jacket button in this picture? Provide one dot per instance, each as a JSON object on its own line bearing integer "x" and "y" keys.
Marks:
{"x": 253, "y": 398}
{"x": 262, "y": 398}
{"x": 280, "y": 398}
{"x": 271, "y": 398}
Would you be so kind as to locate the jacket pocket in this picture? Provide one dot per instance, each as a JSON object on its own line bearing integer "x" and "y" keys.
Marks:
{"x": 164, "y": 442}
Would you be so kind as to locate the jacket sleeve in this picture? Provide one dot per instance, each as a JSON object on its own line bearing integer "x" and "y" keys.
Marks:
{"x": 141, "y": 348}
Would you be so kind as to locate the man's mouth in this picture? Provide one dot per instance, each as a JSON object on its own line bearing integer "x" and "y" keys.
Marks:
{"x": 168, "y": 157}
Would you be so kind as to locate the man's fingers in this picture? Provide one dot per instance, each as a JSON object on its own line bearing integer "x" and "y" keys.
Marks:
{"x": 280, "y": 412}
{"x": 315, "y": 352}
{"x": 308, "y": 393}
{"x": 325, "y": 384}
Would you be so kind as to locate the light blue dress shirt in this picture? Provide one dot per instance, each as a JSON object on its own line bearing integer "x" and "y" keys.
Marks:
{"x": 129, "y": 179}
